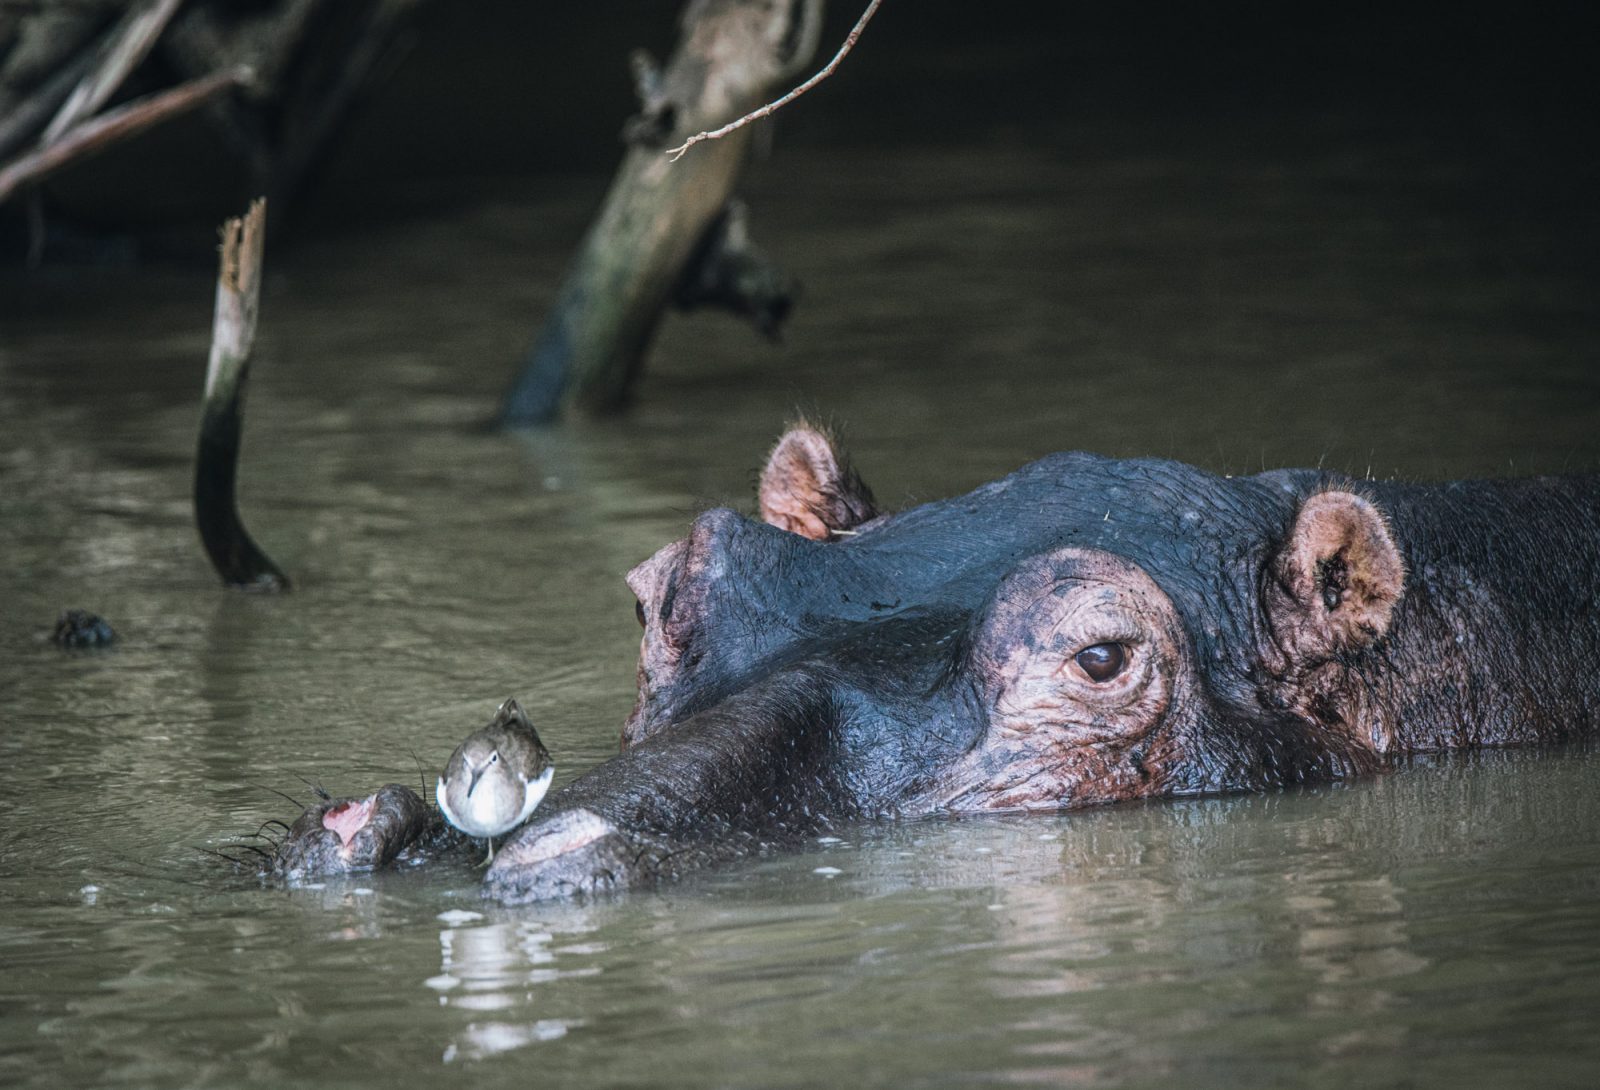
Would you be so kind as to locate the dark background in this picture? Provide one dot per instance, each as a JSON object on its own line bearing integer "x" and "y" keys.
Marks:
{"x": 486, "y": 98}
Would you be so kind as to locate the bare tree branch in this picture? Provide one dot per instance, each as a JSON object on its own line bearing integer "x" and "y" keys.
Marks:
{"x": 138, "y": 32}
{"x": 730, "y": 55}
{"x": 114, "y": 125}
{"x": 674, "y": 154}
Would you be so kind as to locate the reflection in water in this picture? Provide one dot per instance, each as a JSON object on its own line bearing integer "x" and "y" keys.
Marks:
{"x": 488, "y": 967}
{"x": 345, "y": 908}
{"x": 1154, "y": 940}
{"x": 482, "y": 1039}
{"x": 1351, "y": 932}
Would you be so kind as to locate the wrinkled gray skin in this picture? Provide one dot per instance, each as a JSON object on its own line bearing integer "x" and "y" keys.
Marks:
{"x": 830, "y": 663}
{"x": 320, "y": 843}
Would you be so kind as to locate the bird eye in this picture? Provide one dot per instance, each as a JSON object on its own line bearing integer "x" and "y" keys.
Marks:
{"x": 638, "y": 611}
{"x": 494, "y": 758}
{"x": 1103, "y": 661}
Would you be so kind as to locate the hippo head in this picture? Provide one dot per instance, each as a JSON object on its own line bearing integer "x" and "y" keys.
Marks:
{"x": 1085, "y": 630}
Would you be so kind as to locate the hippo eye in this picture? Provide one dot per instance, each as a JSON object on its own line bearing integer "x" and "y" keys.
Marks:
{"x": 1103, "y": 661}
{"x": 638, "y": 611}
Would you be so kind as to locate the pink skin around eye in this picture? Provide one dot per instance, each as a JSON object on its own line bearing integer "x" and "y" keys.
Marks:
{"x": 347, "y": 819}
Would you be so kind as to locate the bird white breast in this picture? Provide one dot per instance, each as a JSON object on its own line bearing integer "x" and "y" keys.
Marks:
{"x": 482, "y": 819}
{"x": 533, "y": 792}
{"x": 476, "y": 819}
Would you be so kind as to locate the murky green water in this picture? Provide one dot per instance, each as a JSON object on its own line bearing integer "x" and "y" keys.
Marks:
{"x": 1259, "y": 305}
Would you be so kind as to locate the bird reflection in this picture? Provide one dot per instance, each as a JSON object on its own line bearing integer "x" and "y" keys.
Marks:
{"x": 490, "y": 967}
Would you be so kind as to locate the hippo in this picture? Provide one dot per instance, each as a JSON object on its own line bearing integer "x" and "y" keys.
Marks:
{"x": 1085, "y": 631}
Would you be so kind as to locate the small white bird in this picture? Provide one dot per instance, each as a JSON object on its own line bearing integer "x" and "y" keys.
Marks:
{"x": 496, "y": 777}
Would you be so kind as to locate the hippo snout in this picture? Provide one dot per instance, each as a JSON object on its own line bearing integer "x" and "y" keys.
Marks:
{"x": 349, "y": 835}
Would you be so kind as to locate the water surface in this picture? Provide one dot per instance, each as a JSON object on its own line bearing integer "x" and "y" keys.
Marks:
{"x": 1255, "y": 305}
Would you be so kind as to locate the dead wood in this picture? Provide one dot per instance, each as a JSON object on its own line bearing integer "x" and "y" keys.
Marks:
{"x": 129, "y": 45}
{"x": 777, "y": 104}
{"x": 729, "y": 271}
{"x": 655, "y": 218}
{"x": 115, "y": 125}
{"x": 63, "y": 66}
{"x": 237, "y": 558}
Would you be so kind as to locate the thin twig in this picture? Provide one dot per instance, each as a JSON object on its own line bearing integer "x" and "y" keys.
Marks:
{"x": 674, "y": 154}
{"x": 113, "y": 125}
{"x": 138, "y": 32}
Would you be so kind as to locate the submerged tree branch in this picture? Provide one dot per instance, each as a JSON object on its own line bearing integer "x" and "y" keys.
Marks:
{"x": 674, "y": 154}
{"x": 731, "y": 55}
{"x": 237, "y": 558}
{"x": 730, "y": 271}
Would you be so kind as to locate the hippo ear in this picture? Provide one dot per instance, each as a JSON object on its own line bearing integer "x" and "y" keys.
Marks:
{"x": 1338, "y": 577}
{"x": 808, "y": 487}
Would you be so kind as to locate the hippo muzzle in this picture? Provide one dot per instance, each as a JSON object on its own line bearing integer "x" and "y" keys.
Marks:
{"x": 723, "y": 783}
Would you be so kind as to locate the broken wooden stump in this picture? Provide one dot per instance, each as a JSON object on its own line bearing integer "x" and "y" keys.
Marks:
{"x": 666, "y": 233}
{"x": 237, "y": 558}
